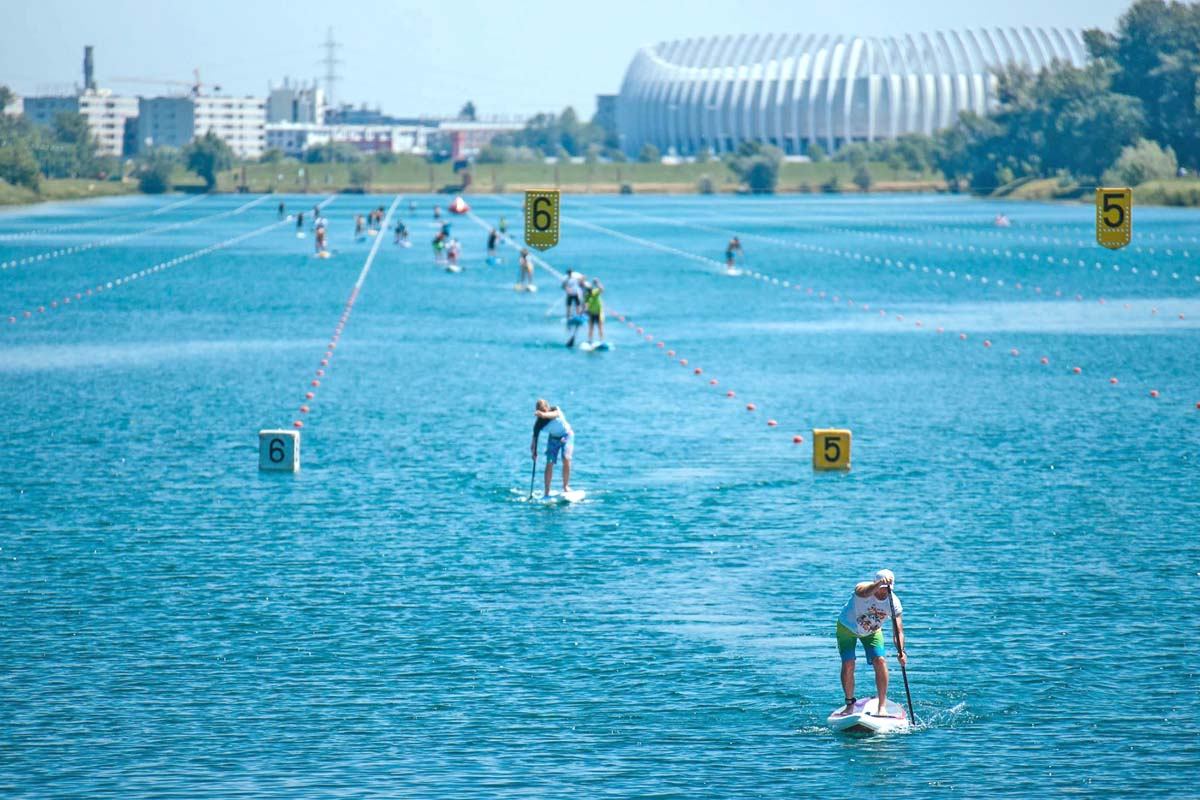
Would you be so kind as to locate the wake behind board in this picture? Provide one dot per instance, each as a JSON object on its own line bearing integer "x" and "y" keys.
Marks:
{"x": 573, "y": 496}
{"x": 862, "y": 720}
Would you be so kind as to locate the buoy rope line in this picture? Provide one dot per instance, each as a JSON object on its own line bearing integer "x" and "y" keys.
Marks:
{"x": 162, "y": 266}
{"x": 124, "y": 237}
{"x": 1018, "y": 254}
{"x": 640, "y": 331}
{"x": 315, "y": 382}
{"x": 837, "y": 300}
{"x": 1069, "y": 233}
{"x": 912, "y": 266}
{"x": 8, "y": 237}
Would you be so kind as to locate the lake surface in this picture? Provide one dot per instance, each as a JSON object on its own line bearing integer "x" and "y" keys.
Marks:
{"x": 396, "y": 621}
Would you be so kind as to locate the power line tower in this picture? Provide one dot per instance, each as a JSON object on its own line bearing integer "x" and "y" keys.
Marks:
{"x": 331, "y": 61}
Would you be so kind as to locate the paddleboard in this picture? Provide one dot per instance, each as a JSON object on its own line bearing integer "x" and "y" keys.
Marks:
{"x": 597, "y": 347}
{"x": 323, "y": 254}
{"x": 405, "y": 244}
{"x": 300, "y": 234}
{"x": 573, "y": 496}
{"x": 524, "y": 287}
{"x": 865, "y": 718}
{"x": 734, "y": 273}
{"x": 453, "y": 268}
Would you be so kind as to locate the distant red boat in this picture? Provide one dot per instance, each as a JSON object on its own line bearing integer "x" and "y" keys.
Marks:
{"x": 459, "y": 206}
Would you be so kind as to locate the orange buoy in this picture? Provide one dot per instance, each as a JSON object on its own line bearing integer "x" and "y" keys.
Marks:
{"x": 315, "y": 383}
{"x": 797, "y": 439}
{"x": 1154, "y": 392}
{"x": 303, "y": 409}
{"x": 750, "y": 406}
{"x": 309, "y": 395}
{"x": 771, "y": 423}
{"x": 1076, "y": 370}
{"x": 297, "y": 424}
{"x": 729, "y": 393}
{"x": 712, "y": 382}
{"x": 697, "y": 371}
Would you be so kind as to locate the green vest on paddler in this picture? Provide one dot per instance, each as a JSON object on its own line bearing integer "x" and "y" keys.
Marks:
{"x": 592, "y": 302}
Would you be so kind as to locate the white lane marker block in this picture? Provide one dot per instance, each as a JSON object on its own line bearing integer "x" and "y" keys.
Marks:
{"x": 279, "y": 450}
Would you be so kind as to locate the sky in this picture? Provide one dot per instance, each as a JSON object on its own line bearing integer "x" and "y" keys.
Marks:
{"x": 429, "y": 58}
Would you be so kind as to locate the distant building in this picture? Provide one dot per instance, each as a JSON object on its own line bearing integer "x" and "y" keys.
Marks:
{"x": 465, "y": 138}
{"x": 104, "y": 111}
{"x": 294, "y": 138}
{"x": 105, "y": 114}
{"x": 606, "y": 113}
{"x": 176, "y": 121}
{"x": 794, "y": 90}
{"x": 288, "y": 103}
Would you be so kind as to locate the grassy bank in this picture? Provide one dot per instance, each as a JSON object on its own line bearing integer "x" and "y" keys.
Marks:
{"x": 62, "y": 189}
{"x": 1169, "y": 192}
{"x": 415, "y": 175}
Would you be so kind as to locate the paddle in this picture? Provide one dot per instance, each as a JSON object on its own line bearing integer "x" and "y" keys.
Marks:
{"x": 903, "y": 671}
{"x": 533, "y": 473}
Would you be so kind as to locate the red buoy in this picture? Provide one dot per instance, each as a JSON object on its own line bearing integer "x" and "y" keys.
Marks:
{"x": 729, "y": 393}
{"x": 683, "y": 362}
{"x": 987, "y": 343}
{"x": 1045, "y": 360}
{"x": 750, "y": 406}
{"x": 697, "y": 371}
{"x": 303, "y": 409}
{"x": 962, "y": 336}
{"x": 1154, "y": 392}
{"x": 1112, "y": 381}
{"x": 771, "y": 423}
{"x": 309, "y": 395}
{"x": 1014, "y": 352}
{"x": 797, "y": 439}
{"x": 712, "y": 382}
{"x": 297, "y": 424}
{"x": 671, "y": 353}
{"x": 315, "y": 384}
{"x": 1076, "y": 370}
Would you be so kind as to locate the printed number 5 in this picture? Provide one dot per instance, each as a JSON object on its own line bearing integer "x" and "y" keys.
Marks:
{"x": 833, "y": 450}
{"x": 541, "y": 214}
{"x": 1113, "y": 207}
{"x": 275, "y": 451}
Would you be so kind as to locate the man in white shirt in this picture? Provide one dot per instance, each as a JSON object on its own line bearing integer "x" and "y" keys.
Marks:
{"x": 861, "y": 620}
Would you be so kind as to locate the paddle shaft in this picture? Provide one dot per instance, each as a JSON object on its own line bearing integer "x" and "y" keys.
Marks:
{"x": 903, "y": 670}
{"x": 533, "y": 472}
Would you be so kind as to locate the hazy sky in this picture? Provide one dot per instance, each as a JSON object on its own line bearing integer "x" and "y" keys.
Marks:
{"x": 413, "y": 58}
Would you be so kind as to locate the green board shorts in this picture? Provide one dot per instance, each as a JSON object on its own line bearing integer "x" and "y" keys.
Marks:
{"x": 847, "y": 641}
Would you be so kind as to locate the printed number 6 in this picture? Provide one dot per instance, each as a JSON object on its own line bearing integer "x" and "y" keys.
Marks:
{"x": 275, "y": 451}
{"x": 1113, "y": 207}
{"x": 836, "y": 446}
{"x": 541, "y": 212}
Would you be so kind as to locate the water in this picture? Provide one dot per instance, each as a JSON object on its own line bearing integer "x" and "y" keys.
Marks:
{"x": 394, "y": 621}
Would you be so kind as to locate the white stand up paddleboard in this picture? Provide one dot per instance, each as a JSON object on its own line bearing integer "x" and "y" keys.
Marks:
{"x": 865, "y": 717}
{"x": 573, "y": 496}
{"x": 596, "y": 347}
{"x": 453, "y": 268}
{"x": 524, "y": 287}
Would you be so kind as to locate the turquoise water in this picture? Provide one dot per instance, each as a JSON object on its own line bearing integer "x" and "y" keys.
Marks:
{"x": 394, "y": 620}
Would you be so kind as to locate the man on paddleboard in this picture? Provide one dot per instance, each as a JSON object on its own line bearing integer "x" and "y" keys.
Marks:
{"x": 862, "y": 620}
{"x": 560, "y": 442}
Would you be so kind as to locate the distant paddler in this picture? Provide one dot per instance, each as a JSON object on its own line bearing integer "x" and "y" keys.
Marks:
{"x": 492, "y": 239}
{"x": 559, "y": 444}
{"x": 732, "y": 251}
{"x": 861, "y": 620}
{"x": 525, "y": 279}
{"x": 593, "y": 302}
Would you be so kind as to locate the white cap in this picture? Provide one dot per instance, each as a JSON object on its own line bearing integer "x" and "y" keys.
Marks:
{"x": 885, "y": 575}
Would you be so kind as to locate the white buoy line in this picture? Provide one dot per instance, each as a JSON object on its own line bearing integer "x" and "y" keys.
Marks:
{"x": 124, "y": 237}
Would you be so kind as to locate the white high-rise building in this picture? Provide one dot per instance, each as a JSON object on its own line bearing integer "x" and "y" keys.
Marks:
{"x": 288, "y": 103}
{"x": 175, "y": 121}
{"x": 104, "y": 111}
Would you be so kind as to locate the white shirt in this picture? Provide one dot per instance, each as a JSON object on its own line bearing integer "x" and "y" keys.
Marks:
{"x": 865, "y": 615}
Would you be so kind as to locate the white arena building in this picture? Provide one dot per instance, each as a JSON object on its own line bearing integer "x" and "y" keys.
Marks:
{"x": 791, "y": 90}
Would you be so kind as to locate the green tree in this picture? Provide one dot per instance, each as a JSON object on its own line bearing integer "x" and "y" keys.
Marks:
{"x": 467, "y": 112}
{"x": 18, "y": 165}
{"x": 862, "y": 178}
{"x": 360, "y": 175}
{"x": 1141, "y": 162}
{"x": 1156, "y": 52}
{"x": 649, "y": 154}
{"x": 271, "y": 156}
{"x": 333, "y": 153}
{"x": 816, "y": 153}
{"x": 6, "y": 97}
{"x": 206, "y": 156}
{"x": 154, "y": 170}
{"x": 757, "y": 165}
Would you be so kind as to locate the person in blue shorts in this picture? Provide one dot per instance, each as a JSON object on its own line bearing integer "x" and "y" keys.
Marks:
{"x": 862, "y": 620}
{"x": 560, "y": 442}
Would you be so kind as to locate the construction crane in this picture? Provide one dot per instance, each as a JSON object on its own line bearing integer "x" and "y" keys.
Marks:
{"x": 195, "y": 85}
